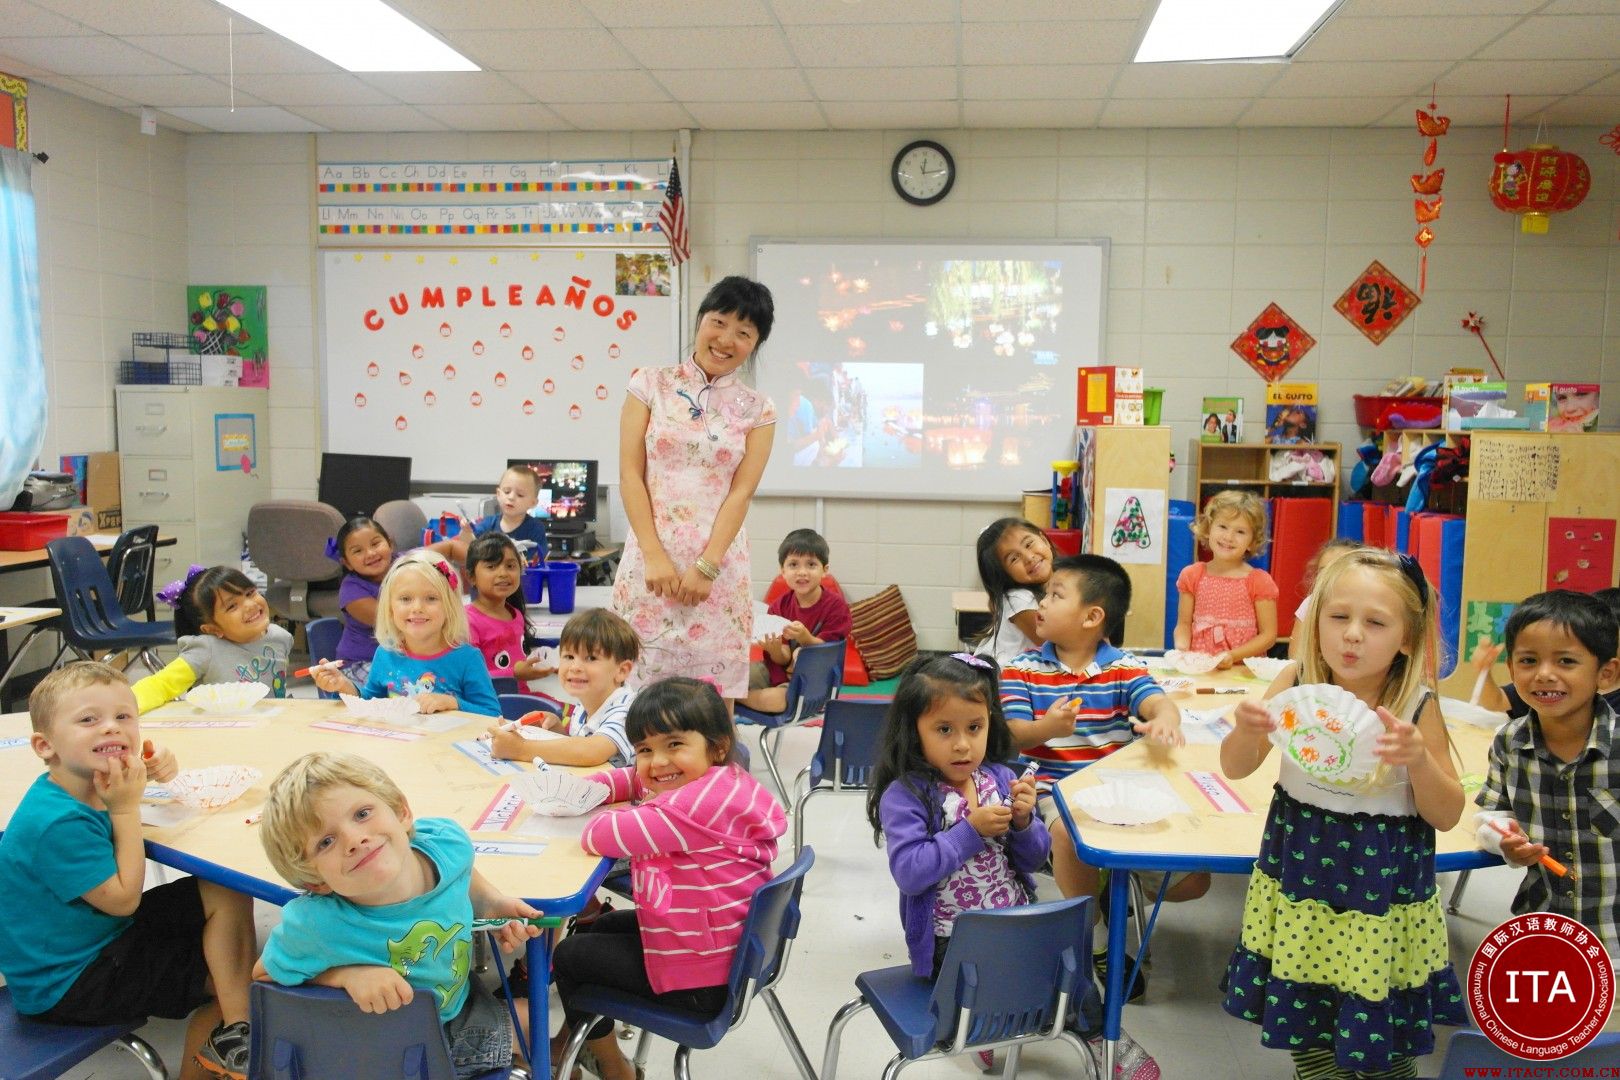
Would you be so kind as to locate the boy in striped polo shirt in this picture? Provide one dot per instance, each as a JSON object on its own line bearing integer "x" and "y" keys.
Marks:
{"x": 1071, "y": 702}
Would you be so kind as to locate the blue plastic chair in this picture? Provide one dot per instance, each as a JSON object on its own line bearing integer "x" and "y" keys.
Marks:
{"x": 322, "y": 635}
{"x": 1008, "y": 979}
{"x": 1472, "y": 1054}
{"x": 91, "y": 616}
{"x": 818, "y": 672}
{"x": 317, "y": 1032}
{"x": 759, "y": 964}
{"x": 129, "y": 565}
{"x": 848, "y": 751}
{"x": 30, "y": 1050}
{"x": 517, "y": 706}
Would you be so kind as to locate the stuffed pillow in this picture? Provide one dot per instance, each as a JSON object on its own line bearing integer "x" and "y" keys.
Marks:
{"x": 882, "y": 631}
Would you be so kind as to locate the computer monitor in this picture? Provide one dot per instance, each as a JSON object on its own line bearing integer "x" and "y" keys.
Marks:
{"x": 567, "y": 492}
{"x": 359, "y": 483}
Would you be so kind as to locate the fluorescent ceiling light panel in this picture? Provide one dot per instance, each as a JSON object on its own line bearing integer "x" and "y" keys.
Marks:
{"x": 360, "y": 35}
{"x": 1230, "y": 29}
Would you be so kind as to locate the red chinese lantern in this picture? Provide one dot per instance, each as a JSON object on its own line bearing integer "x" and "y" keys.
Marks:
{"x": 1537, "y": 181}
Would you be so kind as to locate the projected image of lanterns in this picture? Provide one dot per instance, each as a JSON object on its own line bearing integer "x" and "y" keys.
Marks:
{"x": 1536, "y": 182}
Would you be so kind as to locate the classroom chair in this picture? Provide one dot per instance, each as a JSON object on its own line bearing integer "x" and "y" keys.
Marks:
{"x": 1472, "y": 1054}
{"x": 817, "y": 674}
{"x": 517, "y": 706}
{"x": 321, "y": 635}
{"x": 130, "y": 564}
{"x": 317, "y": 1032}
{"x": 848, "y": 751}
{"x": 91, "y": 616}
{"x": 1009, "y": 978}
{"x": 403, "y": 521}
{"x": 30, "y": 1050}
{"x": 758, "y": 966}
{"x": 286, "y": 539}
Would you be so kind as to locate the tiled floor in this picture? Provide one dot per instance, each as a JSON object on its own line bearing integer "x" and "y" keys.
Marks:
{"x": 850, "y": 924}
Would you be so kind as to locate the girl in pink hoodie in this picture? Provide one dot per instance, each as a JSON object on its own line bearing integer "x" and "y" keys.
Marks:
{"x": 700, "y": 834}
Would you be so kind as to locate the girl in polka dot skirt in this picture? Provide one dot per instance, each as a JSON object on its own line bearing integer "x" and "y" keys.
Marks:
{"x": 1343, "y": 959}
{"x": 1228, "y": 608}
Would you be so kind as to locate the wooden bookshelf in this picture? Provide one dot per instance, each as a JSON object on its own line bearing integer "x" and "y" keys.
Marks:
{"x": 1248, "y": 466}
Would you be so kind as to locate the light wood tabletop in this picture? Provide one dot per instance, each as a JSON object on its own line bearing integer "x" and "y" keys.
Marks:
{"x": 34, "y": 558}
{"x": 13, "y": 617}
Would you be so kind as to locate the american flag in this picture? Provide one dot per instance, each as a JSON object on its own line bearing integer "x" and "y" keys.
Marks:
{"x": 672, "y": 218}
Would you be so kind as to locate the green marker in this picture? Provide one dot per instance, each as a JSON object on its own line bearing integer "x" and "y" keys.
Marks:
{"x": 543, "y": 921}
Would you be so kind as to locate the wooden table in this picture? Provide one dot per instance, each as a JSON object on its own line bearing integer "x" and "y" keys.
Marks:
{"x": 438, "y": 779}
{"x": 13, "y": 617}
{"x": 586, "y": 597}
{"x": 1208, "y": 838}
{"x": 35, "y": 558}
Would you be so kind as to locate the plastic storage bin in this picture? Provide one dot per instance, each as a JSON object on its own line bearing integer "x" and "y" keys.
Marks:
{"x": 27, "y": 532}
{"x": 560, "y": 580}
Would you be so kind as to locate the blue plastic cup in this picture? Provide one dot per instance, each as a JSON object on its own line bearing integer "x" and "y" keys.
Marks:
{"x": 534, "y": 586}
{"x": 562, "y": 577}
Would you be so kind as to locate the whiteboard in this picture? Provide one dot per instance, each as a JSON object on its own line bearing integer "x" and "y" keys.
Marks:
{"x": 926, "y": 369}
{"x": 462, "y": 358}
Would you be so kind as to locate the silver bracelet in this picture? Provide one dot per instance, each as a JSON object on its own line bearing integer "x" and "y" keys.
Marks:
{"x": 707, "y": 568}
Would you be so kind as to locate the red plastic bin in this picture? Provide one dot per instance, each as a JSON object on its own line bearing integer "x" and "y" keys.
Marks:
{"x": 1371, "y": 409}
{"x": 28, "y": 532}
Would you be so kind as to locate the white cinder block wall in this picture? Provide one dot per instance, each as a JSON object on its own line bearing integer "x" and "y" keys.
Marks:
{"x": 1207, "y": 226}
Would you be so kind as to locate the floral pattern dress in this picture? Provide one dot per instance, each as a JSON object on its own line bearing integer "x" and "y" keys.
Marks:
{"x": 696, "y": 436}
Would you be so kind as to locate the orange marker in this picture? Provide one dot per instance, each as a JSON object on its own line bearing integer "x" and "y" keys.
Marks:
{"x": 1546, "y": 860}
{"x": 147, "y": 752}
{"x": 330, "y": 665}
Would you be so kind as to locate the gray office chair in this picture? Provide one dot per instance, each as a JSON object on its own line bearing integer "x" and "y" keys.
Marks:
{"x": 287, "y": 540}
{"x": 403, "y": 521}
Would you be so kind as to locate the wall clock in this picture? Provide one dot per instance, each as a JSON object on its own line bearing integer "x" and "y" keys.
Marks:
{"x": 923, "y": 172}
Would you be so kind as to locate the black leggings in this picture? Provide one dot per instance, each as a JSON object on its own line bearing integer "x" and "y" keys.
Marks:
{"x": 608, "y": 953}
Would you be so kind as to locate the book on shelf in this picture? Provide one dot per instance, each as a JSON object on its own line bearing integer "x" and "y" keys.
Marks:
{"x": 1223, "y": 420}
{"x": 1290, "y": 413}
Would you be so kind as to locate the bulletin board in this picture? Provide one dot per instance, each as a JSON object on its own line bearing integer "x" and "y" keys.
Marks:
{"x": 460, "y": 358}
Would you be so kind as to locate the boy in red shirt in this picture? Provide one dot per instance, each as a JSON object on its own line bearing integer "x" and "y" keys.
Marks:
{"x": 815, "y": 615}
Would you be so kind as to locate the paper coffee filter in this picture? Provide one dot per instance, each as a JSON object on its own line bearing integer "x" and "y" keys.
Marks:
{"x": 229, "y": 697}
{"x": 1328, "y": 732}
{"x": 1478, "y": 715}
{"x": 1190, "y": 663}
{"x": 214, "y": 786}
{"x": 1119, "y": 802}
{"x": 393, "y": 709}
{"x": 559, "y": 794}
{"x": 1265, "y": 667}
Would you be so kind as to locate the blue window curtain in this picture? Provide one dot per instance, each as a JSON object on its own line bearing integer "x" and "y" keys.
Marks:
{"x": 22, "y": 359}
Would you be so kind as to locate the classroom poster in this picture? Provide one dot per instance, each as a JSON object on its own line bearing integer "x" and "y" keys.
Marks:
{"x": 1580, "y": 553}
{"x": 231, "y": 321}
{"x": 1485, "y": 624}
{"x": 1133, "y": 525}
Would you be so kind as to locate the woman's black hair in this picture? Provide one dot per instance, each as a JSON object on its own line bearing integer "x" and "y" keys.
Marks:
{"x": 681, "y": 704}
{"x": 744, "y": 298}
{"x": 922, "y": 686}
{"x": 993, "y": 572}
{"x": 352, "y": 526}
{"x": 491, "y": 549}
{"x": 197, "y": 602}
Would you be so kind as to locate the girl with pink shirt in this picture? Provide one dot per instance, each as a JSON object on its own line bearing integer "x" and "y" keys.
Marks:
{"x": 1228, "y": 608}
{"x": 700, "y": 834}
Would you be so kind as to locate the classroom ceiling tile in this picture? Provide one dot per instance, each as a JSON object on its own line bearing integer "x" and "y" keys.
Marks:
{"x": 1089, "y": 42}
{"x": 143, "y": 16}
{"x": 680, "y": 13}
{"x": 589, "y": 86}
{"x": 997, "y": 10}
{"x": 502, "y": 15}
{"x": 1598, "y": 109}
{"x": 742, "y": 46}
{"x": 1031, "y": 114}
{"x": 314, "y": 89}
{"x": 543, "y": 50}
{"x": 1004, "y": 82}
{"x": 883, "y": 84}
{"x": 892, "y": 114}
{"x": 175, "y": 123}
{"x": 1321, "y": 112}
{"x": 1394, "y": 38}
{"x": 758, "y": 115}
{"x": 1469, "y": 8}
{"x": 1567, "y": 37}
{"x": 254, "y": 120}
{"x": 1347, "y": 79}
{"x": 97, "y": 55}
{"x": 1578, "y": 7}
{"x": 23, "y": 19}
{"x": 74, "y": 87}
{"x": 162, "y": 91}
{"x": 255, "y": 53}
{"x": 1609, "y": 85}
{"x": 1163, "y": 112}
{"x": 504, "y": 117}
{"x": 1526, "y": 76}
{"x": 1195, "y": 80}
{"x": 1466, "y": 111}
{"x": 716, "y": 84}
{"x": 886, "y": 45}
{"x": 447, "y": 87}
{"x": 369, "y": 118}
{"x": 820, "y": 12}
{"x": 629, "y": 116}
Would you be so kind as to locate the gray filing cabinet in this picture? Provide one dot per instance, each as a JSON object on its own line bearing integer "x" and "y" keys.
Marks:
{"x": 182, "y": 451}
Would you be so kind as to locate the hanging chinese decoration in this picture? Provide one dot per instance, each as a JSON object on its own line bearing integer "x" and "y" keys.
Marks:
{"x": 1273, "y": 343}
{"x": 1537, "y": 181}
{"x": 1376, "y": 302}
{"x": 1612, "y": 139}
{"x": 1426, "y": 186}
{"x": 1474, "y": 323}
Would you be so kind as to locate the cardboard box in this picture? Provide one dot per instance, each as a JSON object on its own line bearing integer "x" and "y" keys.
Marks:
{"x": 1108, "y": 396}
{"x": 81, "y": 520}
{"x": 97, "y": 477}
{"x": 1469, "y": 400}
{"x": 1566, "y": 407}
{"x": 1290, "y": 413}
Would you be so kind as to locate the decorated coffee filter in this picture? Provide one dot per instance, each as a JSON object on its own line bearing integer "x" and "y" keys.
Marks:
{"x": 388, "y": 710}
{"x": 559, "y": 794}
{"x": 214, "y": 786}
{"x": 1191, "y": 663}
{"x": 766, "y": 625}
{"x": 1328, "y": 732}
{"x": 1455, "y": 709}
{"x": 1265, "y": 667}
{"x": 1121, "y": 802}
{"x": 226, "y": 697}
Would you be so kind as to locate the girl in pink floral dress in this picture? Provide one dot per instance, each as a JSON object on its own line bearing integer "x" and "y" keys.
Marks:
{"x": 693, "y": 442}
{"x": 1228, "y": 608}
